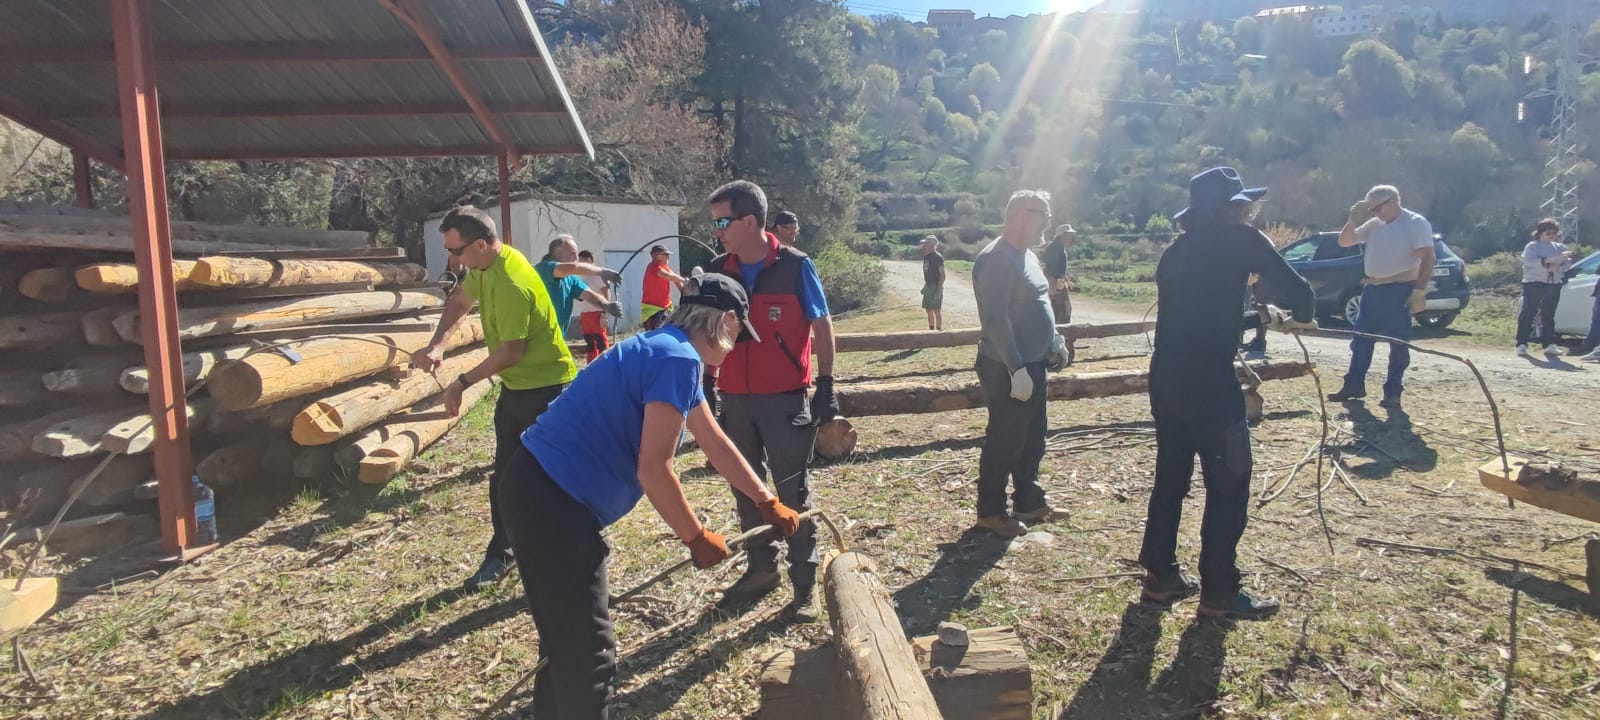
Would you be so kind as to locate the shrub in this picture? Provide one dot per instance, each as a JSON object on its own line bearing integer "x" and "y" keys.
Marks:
{"x": 851, "y": 279}
{"x": 1497, "y": 270}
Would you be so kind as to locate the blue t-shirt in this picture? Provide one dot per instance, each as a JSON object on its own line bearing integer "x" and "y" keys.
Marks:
{"x": 812, "y": 297}
{"x": 588, "y": 439}
{"x": 563, "y": 291}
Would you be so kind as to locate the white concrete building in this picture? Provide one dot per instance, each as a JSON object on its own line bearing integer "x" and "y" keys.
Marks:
{"x": 611, "y": 228}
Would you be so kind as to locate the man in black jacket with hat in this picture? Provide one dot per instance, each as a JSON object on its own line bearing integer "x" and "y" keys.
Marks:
{"x": 1195, "y": 395}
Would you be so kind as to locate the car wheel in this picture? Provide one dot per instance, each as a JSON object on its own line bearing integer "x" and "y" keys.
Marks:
{"x": 1352, "y": 309}
{"x": 1436, "y": 322}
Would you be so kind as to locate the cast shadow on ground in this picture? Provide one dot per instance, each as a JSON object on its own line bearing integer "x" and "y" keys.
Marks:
{"x": 1551, "y": 362}
{"x": 1390, "y": 443}
{"x": 899, "y": 452}
{"x": 348, "y": 503}
{"x": 661, "y": 693}
{"x": 1120, "y": 685}
{"x": 1550, "y": 592}
{"x": 330, "y": 665}
{"x": 930, "y": 599}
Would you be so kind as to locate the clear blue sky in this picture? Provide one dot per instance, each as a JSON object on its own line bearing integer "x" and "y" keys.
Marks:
{"x": 918, "y": 9}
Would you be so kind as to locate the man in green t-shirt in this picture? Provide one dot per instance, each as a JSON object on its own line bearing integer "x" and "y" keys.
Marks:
{"x": 525, "y": 349}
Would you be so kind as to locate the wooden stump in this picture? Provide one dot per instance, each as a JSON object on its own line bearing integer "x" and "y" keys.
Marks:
{"x": 327, "y": 419}
{"x": 880, "y": 677}
{"x": 20, "y": 608}
{"x": 836, "y": 439}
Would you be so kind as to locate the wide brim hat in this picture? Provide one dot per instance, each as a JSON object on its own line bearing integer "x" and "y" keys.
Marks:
{"x": 1211, "y": 190}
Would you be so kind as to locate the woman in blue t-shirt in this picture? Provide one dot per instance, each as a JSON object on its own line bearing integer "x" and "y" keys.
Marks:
{"x": 606, "y": 441}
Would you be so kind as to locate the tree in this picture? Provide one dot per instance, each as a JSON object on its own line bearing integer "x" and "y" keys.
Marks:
{"x": 1375, "y": 80}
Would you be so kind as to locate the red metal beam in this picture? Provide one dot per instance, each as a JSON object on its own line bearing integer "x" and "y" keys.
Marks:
{"x": 37, "y": 122}
{"x": 264, "y": 53}
{"x": 152, "y": 252}
{"x": 416, "y": 18}
{"x": 300, "y": 111}
{"x": 82, "y": 180}
{"x": 505, "y": 196}
{"x": 366, "y": 151}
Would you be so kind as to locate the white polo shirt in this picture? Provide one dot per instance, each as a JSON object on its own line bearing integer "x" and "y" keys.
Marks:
{"x": 1391, "y": 247}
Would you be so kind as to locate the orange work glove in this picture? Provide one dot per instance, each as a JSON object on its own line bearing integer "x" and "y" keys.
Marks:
{"x": 780, "y": 517}
{"x": 707, "y": 549}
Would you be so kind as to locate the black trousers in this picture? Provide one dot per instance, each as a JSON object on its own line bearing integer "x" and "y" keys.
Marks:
{"x": 1538, "y": 299}
{"x": 562, "y": 557}
{"x": 513, "y": 413}
{"x": 1013, "y": 443}
{"x": 759, "y": 425}
{"x": 1223, "y": 444}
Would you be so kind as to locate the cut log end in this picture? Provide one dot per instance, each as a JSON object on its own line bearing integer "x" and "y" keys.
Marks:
{"x": 318, "y": 424}
{"x": 836, "y": 439}
{"x": 379, "y": 467}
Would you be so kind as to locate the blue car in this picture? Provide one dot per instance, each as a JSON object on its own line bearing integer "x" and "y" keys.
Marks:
{"x": 1335, "y": 274}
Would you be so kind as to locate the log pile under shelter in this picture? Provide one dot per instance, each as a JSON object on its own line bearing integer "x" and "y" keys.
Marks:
{"x": 301, "y": 339}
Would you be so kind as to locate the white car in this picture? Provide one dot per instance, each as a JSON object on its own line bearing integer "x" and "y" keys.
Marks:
{"x": 1576, "y": 305}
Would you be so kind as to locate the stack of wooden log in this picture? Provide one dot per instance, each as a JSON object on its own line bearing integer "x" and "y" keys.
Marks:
{"x": 299, "y": 337}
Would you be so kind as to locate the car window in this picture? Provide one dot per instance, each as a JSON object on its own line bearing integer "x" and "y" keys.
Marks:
{"x": 1442, "y": 251}
{"x": 1588, "y": 266}
{"x": 1301, "y": 251}
{"x": 1331, "y": 250}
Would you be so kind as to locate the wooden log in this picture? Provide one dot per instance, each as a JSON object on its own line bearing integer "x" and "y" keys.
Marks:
{"x": 47, "y": 285}
{"x": 91, "y": 375}
{"x": 990, "y": 679}
{"x": 242, "y": 272}
{"x": 19, "y": 231}
{"x": 880, "y": 675}
{"x": 196, "y": 367}
{"x": 276, "y": 417}
{"x": 836, "y": 438}
{"x": 39, "y": 493}
{"x": 919, "y": 339}
{"x": 93, "y": 533}
{"x": 99, "y": 326}
{"x": 1569, "y": 495}
{"x": 137, "y": 435}
{"x": 80, "y": 436}
{"x": 56, "y": 331}
{"x": 901, "y": 398}
{"x": 266, "y": 378}
{"x": 197, "y": 322}
{"x": 118, "y": 278}
{"x": 417, "y": 429}
{"x": 256, "y": 460}
{"x": 16, "y": 437}
{"x": 21, "y": 387}
{"x": 336, "y": 416}
{"x": 314, "y": 463}
{"x": 22, "y": 607}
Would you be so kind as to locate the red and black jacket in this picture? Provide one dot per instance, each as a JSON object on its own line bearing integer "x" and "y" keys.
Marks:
{"x": 781, "y": 362}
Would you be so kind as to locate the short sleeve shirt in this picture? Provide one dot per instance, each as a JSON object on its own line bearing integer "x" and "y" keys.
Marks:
{"x": 563, "y": 291}
{"x": 1390, "y": 247}
{"x": 515, "y": 306}
{"x": 588, "y": 440}
{"x": 932, "y": 268}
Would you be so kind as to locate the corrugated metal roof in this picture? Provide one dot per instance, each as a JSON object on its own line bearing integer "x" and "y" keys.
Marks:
{"x": 260, "y": 79}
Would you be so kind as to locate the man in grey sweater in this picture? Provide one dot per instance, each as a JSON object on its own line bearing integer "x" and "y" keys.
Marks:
{"x": 1018, "y": 342}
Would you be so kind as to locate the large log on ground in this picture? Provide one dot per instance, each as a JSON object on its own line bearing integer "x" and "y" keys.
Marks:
{"x": 989, "y": 679}
{"x": 56, "y": 331}
{"x": 21, "y": 607}
{"x": 902, "y": 398}
{"x": 881, "y": 677}
{"x": 196, "y": 366}
{"x": 39, "y": 493}
{"x": 243, "y": 272}
{"x": 137, "y": 435}
{"x": 417, "y": 429}
{"x": 80, "y": 436}
{"x": 336, "y": 416}
{"x": 275, "y": 417}
{"x": 21, "y": 387}
{"x": 99, "y": 326}
{"x": 188, "y": 238}
{"x": 314, "y": 463}
{"x": 91, "y": 374}
{"x": 197, "y": 322}
{"x": 16, "y": 437}
{"x": 248, "y": 461}
{"x": 918, "y": 339}
{"x": 47, "y": 285}
{"x": 1561, "y": 490}
{"x": 94, "y": 533}
{"x": 265, "y": 378}
{"x": 123, "y": 278}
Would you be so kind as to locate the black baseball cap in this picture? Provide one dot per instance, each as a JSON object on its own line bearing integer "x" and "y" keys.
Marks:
{"x": 723, "y": 293}
{"x": 659, "y": 250}
{"x": 784, "y": 218}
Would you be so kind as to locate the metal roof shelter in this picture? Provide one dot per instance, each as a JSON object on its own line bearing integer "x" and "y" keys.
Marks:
{"x": 133, "y": 83}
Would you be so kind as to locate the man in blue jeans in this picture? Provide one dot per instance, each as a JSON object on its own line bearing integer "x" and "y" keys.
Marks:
{"x": 1398, "y": 260}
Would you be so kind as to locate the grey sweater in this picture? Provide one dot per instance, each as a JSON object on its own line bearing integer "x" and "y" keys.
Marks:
{"x": 1013, "y": 305}
{"x": 1544, "y": 262}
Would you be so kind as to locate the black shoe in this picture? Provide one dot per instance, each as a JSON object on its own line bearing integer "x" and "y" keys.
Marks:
{"x": 1346, "y": 395}
{"x": 803, "y": 608}
{"x": 489, "y": 573}
{"x": 1239, "y": 607}
{"x": 1390, "y": 401}
{"x": 750, "y": 587}
{"x": 1168, "y": 587}
{"x": 1258, "y": 346}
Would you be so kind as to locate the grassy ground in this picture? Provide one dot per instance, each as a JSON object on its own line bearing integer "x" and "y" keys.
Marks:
{"x": 339, "y": 602}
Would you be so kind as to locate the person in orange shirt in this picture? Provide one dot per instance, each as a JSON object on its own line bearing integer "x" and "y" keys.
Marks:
{"x": 659, "y": 279}
{"x": 593, "y": 322}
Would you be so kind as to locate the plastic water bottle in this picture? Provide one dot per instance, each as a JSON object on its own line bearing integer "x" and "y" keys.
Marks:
{"x": 205, "y": 513}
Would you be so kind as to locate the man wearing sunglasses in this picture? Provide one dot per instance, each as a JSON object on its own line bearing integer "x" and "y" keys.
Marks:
{"x": 1398, "y": 260}
{"x": 763, "y": 387}
{"x": 526, "y": 350}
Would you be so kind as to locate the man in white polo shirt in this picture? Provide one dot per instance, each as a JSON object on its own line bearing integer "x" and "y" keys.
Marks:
{"x": 1399, "y": 263}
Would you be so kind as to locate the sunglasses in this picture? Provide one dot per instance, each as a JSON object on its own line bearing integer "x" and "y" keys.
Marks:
{"x": 456, "y": 251}
{"x": 722, "y": 223}
{"x": 1379, "y": 206}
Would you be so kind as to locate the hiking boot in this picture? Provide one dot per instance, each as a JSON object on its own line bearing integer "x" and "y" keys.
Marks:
{"x": 803, "y": 608}
{"x": 489, "y": 573}
{"x": 1003, "y": 525}
{"x": 1168, "y": 587}
{"x": 1346, "y": 395}
{"x": 1239, "y": 607}
{"x": 1043, "y": 514}
{"x": 750, "y": 587}
{"x": 1390, "y": 401}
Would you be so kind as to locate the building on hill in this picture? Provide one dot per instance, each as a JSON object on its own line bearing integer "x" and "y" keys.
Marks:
{"x": 1325, "y": 21}
{"x": 951, "y": 19}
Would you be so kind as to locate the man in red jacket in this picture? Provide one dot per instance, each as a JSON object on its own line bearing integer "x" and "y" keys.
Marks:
{"x": 763, "y": 386}
{"x": 659, "y": 280}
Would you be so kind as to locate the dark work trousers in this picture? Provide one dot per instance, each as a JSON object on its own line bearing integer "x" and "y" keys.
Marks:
{"x": 1061, "y": 305}
{"x": 562, "y": 559}
{"x": 760, "y": 426}
{"x": 1538, "y": 299}
{"x": 513, "y": 413}
{"x": 1592, "y": 342}
{"x": 1184, "y": 429}
{"x": 1013, "y": 443}
{"x": 1384, "y": 311}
